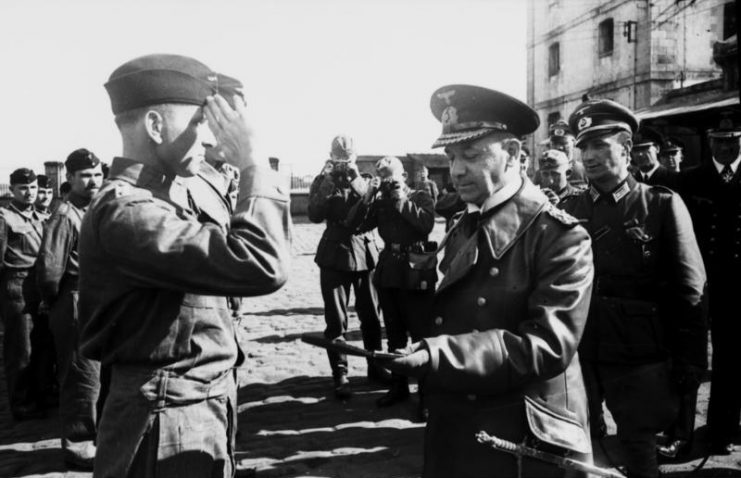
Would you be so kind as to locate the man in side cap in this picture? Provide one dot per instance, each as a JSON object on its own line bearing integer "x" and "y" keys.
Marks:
{"x": 713, "y": 194}
{"x": 561, "y": 139}
{"x": 58, "y": 276}
{"x": 407, "y": 270}
{"x": 554, "y": 173}
{"x": 44, "y": 196}
{"x": 154, "y": 280}
{"x": 671, "y": 154}
{"x": 510, "y": 310}
{"x": 21, "y": 229}
{"x": 645, "y": 154}
{"x": 346, "y": 259}
{"x": 645, "y": 338}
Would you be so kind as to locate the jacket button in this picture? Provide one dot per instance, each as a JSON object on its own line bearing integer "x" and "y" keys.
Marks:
{"x": 423, "y": 285}
{"x": 438, "y": 321}
{"x": 471, "y": 397}
{"x": 481, "y": 301}
{"x": 493, "y": 272}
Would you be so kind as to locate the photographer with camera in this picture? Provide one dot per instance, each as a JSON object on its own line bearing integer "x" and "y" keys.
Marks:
{"x": 345, "y": 259}
{"x": 407, "y": 269}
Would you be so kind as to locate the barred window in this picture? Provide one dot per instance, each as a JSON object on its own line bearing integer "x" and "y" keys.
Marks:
{"x": 606, "y": 36}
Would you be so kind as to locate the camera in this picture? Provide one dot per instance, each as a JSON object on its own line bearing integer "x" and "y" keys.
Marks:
{"x": 388, "y": 186}
{"x": 340, "y": 169}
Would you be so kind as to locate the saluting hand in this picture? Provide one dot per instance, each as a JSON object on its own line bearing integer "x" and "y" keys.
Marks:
{"x": 233, "y": 132}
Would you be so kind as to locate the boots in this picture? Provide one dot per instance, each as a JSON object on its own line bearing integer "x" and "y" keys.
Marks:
{"x": 398, "y": 392}
{"x": 342, "y": 387}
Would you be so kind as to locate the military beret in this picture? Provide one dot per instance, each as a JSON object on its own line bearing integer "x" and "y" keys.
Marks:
{"x": 560, "y": 129}
{"x": 672, "y": 145}
{"x": 22, "y": 176}
{"x": 81, "y": 159}
{"x": 728, "y": 127}
{"x": 553, "y": 159}
{"x": 158, "y": 79}
{"x": 43, "y": 181}
{"x": 65, "y": 188}
{"x": 469, "y": 112}
{"x": 645, "y": 137}
{"x": 228, "y": 87}
{"x": 342, "y": 147}
{"x": 597, "y": 117}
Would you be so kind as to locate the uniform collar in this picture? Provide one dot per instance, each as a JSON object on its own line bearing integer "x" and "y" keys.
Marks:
{"x": 497, "y": 198}
{"x": 80, "y": 202}
{"x": 139, "y": 174}
{"x": 617, "y": 194}
{"x": 30, "y": 213}
{"x": 647, "y": 175}
{"x": 734, "y": 165}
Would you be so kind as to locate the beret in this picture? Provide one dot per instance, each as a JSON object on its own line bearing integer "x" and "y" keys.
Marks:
{"x": 560, "y": 129}
{"x": 598, "y": 117}
{"x": 342, "y": 146}
{"x": 158, "y": 79}
{"x": 43, "y": 181}
{"x": 553, "y": 159}
{"x": 469, "y": 112}
{"x": 65, "y": 188}
{"x": 645, "y": 137}
{"x": 728, "y": 127}
{"x": 22, "y": 176}
{"x": 228, "y": 87}
{"x": 81, "y": 159}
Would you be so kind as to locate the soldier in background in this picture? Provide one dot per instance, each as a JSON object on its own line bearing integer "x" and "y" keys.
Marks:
{"x": 561, "y": 138}
{"x": 58, "y": 273}
{"x": 671, "y": 154}
{"x": 21, "y": 230}
{"x": 645, "y": 338}
{"x": 44, "y": 196}
{"x": 713, "y": 194}
{"x": 345, "y": 259}
{"x": 407, "y": 270}
{"x": 424, "y": 183}
{"x": 554, "y": 173}
{"x": 645, "y": 154}
{"x": 449, "y": 204}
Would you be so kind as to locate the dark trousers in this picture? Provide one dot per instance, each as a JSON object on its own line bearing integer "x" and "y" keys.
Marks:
{"x": 724, "y": 409}
{"x": 79, "y": 377}
{"x": 643, "y": 402}
{"x": 336, "y": 287}
{"x": 405, "y": 314}
{"x": 19, "y": 304}
{"x": 684, "y": 427}
{"x": 44, "y": 360}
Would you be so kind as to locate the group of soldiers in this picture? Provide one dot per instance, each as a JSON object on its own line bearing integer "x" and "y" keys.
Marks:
{"x": 540, "y": 304}
{"x": 587, "y": 285}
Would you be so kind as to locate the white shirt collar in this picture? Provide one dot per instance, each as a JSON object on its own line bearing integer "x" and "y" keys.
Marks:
{"x": 734, "y": 165}
{"x": 497, "y": 198}
{"x": 647, "y": 175}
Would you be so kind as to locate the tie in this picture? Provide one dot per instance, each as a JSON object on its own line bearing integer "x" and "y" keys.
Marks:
{"x": 727, "y": 174}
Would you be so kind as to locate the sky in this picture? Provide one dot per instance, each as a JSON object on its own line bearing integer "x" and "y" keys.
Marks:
{"x": 312, "y": 69}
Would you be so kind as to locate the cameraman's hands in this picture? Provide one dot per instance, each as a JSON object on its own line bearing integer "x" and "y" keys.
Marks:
{"x": 396, "y": 191}
{"x": 327, "y": 168}
{"x": 373, "y": 185}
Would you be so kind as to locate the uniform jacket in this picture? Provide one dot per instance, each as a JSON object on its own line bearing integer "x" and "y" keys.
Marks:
{"x": 401, "y": 224}
{"x": 20, "y": 236}
{"x": 715, "y": 208}
{"x": 153, "y": 279}
{"x": 510, "y": 312}
{"x": 567, "y": 194}
{"x": 649, "y": 286}
{"x": 340, "y": 248}
{"x": 663, "y": 176}
{"x": 58, "y": 253}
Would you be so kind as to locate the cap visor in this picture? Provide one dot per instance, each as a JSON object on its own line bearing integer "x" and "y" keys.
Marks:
{"x": 601, "y": 130}
{"x": 446, "y": 139}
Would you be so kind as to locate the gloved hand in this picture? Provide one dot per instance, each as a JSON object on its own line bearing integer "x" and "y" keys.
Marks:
{"x": 414, "y": 363}
{"x": 687, "y": 377}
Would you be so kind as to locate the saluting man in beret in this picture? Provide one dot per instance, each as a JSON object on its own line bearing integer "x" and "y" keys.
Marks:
{"x": 154, "y": 279}
{"x": 21, "y": 229}
{"x": 510, "y": 310}
{"x": 646, "y": 336}
{"x": 57, "y": 275}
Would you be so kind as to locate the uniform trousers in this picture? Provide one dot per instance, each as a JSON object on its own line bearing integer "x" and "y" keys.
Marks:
{"x": 405, "y": 314}
{"x": 724, "y": 409}
{"x": 643, "y": 402}
{"x": 78, "y": 376}
{"x": 19, "y": 301}
{"x": 336, "y": 286}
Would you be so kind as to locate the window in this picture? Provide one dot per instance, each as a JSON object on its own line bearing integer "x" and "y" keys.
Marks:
{"x": 553, "y": 117}
{"x": 554, "y": 59}
{"x": 606, "y": 35}
{"x": 729, "y": 20}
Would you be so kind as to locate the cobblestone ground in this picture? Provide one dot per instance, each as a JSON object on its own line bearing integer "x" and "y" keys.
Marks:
{"x": 290, "y": 424}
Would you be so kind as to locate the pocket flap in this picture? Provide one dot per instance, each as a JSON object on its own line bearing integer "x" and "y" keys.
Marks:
{"x": 559, "y": 428}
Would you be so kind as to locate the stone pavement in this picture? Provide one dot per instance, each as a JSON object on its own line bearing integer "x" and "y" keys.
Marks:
{"x": 290, "y": 424}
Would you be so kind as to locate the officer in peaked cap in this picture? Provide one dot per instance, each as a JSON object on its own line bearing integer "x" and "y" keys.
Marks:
{"x": 562, "y": 139}
{"x": 645, "y": 154}
{"x": 554, "y": 173}
{"x": 481, "y": 355}
{"x": 21, "y": 228}
{"x": 713, "y": 194}
{"x": 646, "y": 326}
{"x": 155, "y": 279}
{"x": 671, "y": 154}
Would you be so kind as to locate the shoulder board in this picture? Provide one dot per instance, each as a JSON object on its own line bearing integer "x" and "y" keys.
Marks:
{"x": 662, "y": 189}
{"x": 561, "y": 216}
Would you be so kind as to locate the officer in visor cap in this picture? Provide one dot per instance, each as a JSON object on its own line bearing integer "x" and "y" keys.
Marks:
{"x": 645, "y": 339}
{"x": 58, "y": 277}
{"x": 510, "y": 309}
{"x": 155, "y": 279}
{"x": 671, "y": 154}
{"x": 645, "y": 154}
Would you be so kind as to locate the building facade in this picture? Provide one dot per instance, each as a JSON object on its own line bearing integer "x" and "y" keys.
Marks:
{"x": 631, "y": 51}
